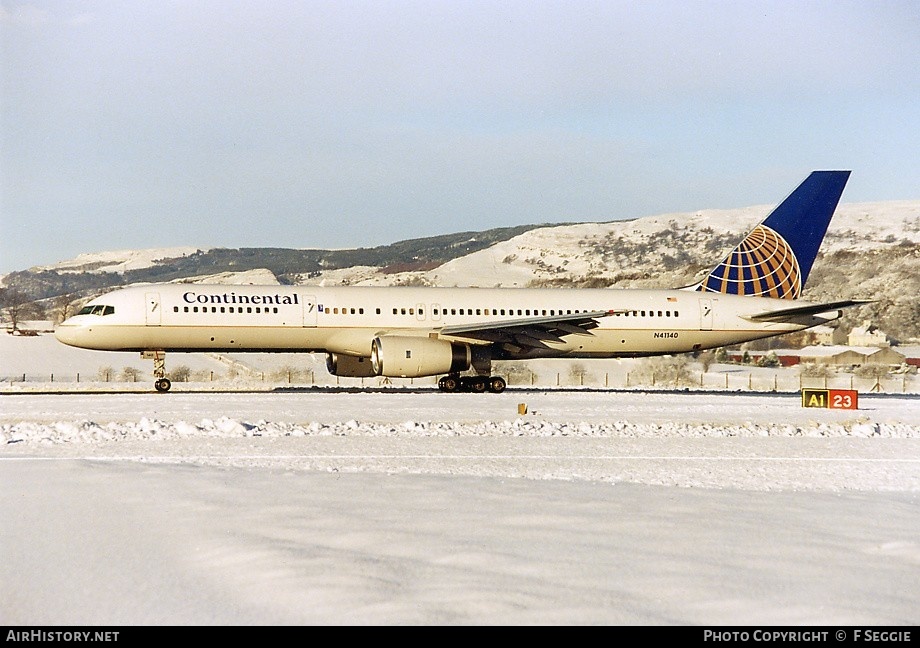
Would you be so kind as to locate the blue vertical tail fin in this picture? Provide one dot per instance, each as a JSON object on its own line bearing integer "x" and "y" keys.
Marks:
{"x": 774, "y": 260}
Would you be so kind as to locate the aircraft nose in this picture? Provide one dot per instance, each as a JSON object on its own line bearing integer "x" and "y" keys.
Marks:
{"x": 68, "y": 333}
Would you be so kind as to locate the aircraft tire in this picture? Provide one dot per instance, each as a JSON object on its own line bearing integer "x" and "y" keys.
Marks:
{"x": 497, "y": 384}
{"x": 162, "y": 385}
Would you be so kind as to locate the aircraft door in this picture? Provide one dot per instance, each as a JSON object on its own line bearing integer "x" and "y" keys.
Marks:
{"x": 309, "y": 310}
{"x": 153, "y": 308}
{"x": 706, "y": 314}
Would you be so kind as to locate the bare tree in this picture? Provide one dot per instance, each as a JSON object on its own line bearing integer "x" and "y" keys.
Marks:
{"x": 130, "y": 374}
{"x": 18, "y": 307}
{"x": 180, "y": 374}
{"x": 63, "y": 307}
{"x": 665, "y": 370}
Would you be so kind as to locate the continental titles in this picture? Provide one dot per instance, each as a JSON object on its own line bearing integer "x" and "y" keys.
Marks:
{"x": 233, "y": 298}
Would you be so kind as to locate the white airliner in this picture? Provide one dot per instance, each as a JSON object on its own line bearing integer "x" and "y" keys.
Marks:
{"x": 414, "y": 332}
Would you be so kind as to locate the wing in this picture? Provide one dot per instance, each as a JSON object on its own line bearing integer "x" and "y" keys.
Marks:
{"x": 530, "y": 332}
{"x": 784, "y": 314}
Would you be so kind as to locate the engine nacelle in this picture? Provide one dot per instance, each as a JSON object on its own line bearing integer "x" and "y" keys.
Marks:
{"x": 415, "y": 357}
{"x": 349, "y": 366}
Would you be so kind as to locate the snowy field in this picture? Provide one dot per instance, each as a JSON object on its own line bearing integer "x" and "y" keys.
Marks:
{"x": 325, "y": 506}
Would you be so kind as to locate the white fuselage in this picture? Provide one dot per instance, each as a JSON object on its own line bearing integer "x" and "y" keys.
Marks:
{"x": 345, "y": 320}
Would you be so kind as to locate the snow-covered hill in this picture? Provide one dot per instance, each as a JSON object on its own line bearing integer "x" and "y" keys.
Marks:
{"x": 118, "y": 260}
{"x": 611, "y": 250}
{"x": 572, "y": 250}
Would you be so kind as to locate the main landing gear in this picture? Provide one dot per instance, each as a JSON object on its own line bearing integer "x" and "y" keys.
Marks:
{"x": 162, "y": 383}
{"x": 476, "y": 384}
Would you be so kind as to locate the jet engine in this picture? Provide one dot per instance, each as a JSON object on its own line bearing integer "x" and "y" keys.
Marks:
{"x": 349, "y": 366}
{"x": 414, "y": 357}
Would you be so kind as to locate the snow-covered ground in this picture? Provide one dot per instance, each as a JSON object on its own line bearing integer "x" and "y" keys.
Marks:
{"x": 413, "y": 507}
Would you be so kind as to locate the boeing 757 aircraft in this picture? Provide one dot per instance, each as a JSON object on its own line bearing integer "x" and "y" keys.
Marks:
{"x": 413, "y": 332}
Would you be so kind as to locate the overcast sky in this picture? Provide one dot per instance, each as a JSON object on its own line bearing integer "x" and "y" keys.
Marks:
{"x": 346, "y": 124}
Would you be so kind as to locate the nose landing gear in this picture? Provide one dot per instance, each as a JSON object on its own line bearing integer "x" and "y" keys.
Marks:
{"x": 162, "y": 383}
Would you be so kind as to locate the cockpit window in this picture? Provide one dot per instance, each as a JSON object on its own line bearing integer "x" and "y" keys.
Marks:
{"x": 97, "y": 309}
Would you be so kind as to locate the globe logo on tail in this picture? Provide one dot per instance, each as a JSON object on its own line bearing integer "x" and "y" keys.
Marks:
{"x": 763, "y": 265}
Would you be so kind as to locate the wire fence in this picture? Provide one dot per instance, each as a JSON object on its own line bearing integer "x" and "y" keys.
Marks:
{"x": 725, "y": 380}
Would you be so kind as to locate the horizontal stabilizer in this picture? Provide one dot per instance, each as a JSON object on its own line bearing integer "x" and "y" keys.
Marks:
{"x": 784, "y": 314}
